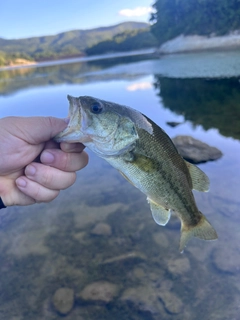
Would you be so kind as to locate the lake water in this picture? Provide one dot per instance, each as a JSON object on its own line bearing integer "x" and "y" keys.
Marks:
{"x": 132, "y": 269}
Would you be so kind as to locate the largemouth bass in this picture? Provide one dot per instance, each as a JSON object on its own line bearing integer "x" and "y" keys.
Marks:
{"x": 144, "y": 154}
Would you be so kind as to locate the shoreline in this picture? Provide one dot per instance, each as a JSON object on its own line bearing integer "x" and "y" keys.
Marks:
{"x": 180, "y": 44}
{"x": 80, "y": 59}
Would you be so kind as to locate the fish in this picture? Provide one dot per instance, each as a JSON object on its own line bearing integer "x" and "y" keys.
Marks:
{"x": 145, "y": 156}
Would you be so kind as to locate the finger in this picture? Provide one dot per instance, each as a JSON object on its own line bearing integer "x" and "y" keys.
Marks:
{"x": 36, "y": 191}
{"x": 72, "y": 147}
{"x": 51, "y": 144}
{"x": 48, "y": 145}
{"x": 50, "y": 177}
{"x": 63, "y": 160}
{"x": 12, "y": 195}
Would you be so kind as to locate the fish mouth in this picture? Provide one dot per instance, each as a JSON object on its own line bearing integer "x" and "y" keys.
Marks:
{"x": 73, "y": 131}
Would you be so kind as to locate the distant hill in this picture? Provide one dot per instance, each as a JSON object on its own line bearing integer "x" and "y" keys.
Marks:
{"x": 65, "y": 44}
{"x": 125, "y": 41}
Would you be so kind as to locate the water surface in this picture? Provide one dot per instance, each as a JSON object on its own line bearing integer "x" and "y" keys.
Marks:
{"x": 50, "y": 246}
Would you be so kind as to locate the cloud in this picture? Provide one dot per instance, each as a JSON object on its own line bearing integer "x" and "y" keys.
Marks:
{"x": 139, "y": 86}
{"x": 136, "y": 12}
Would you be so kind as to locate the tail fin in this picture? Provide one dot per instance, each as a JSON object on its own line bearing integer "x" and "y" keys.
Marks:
{"x": 203, "y": 230}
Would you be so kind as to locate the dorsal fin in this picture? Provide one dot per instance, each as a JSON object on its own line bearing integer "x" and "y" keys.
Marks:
{"x": 200, "y": 181}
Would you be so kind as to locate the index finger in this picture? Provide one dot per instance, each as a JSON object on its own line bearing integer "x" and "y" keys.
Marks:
{"x": 65, "y": 161}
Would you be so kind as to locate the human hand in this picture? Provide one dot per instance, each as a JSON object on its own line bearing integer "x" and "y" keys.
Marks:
{"x": 34, "y": 168}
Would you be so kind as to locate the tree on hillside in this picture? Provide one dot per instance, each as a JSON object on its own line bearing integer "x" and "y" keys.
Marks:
{"x": 125, "y": 41}
{"x": 202, "y": 17}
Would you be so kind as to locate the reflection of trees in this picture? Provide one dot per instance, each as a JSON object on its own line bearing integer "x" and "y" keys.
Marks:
{"x": 17, "y": 79}
{"x": 211, "y": 103}
{"x": 79, "y": 72}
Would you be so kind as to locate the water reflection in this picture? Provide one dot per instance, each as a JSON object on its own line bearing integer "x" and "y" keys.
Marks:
{"x": 213, "y": 103}
{"x": 19, "y": 79}
{"x": 14, "y": 80}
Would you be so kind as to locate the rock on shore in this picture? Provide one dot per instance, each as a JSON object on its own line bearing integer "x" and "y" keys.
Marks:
{"x": 199, "y": 43}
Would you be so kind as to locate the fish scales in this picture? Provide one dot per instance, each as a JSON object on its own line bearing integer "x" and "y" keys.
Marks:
{"x": 144, "y": 154}
{"x": 156, "y": 177}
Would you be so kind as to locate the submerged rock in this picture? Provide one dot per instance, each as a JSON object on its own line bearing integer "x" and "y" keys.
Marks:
{"x": 154, "y": 299}
{"x": 102, "y": 229}
{"x": 139, "y": 273}
{"x": 63, "y": 300}
{"x": 227, "y": 260}
{"x": 103, "y": 291}
{"x": 194, "y": 150}
{"x": 133, "y": 256}
{"x": 171, "y": 301}
{"x": 144, "y": 298}
{"x": 161, "y": 239}
{"x": 179, "y": 266}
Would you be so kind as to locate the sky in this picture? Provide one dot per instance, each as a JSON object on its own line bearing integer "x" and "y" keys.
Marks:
{"x": 29, "y": 18}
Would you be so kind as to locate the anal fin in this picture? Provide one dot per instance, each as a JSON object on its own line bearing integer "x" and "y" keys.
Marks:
{"x": 160, "y": 214}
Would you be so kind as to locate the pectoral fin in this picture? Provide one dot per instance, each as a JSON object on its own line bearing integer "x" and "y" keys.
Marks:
{"x": 160, "y": 214}
{"x": 124, "y": 176}
{"x": 200, "y": 181}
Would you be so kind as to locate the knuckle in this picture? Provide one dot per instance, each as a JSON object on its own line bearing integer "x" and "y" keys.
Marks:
{"x": 36, "y": 193}
{"x": 66, "y": 160}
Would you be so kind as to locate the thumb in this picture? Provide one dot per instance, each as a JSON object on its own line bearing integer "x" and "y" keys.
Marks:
{"x": 45, "y": 128}
{"x": 36, "y": 130}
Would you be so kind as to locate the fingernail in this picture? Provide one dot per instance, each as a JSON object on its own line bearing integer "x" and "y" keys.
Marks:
{"x": 20, "y": 182}
{"x": 30, "y": 170}
{"x": 47, "y": 157}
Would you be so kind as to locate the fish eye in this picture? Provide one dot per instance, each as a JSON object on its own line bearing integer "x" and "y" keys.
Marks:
{"x": 96, "y": 108}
